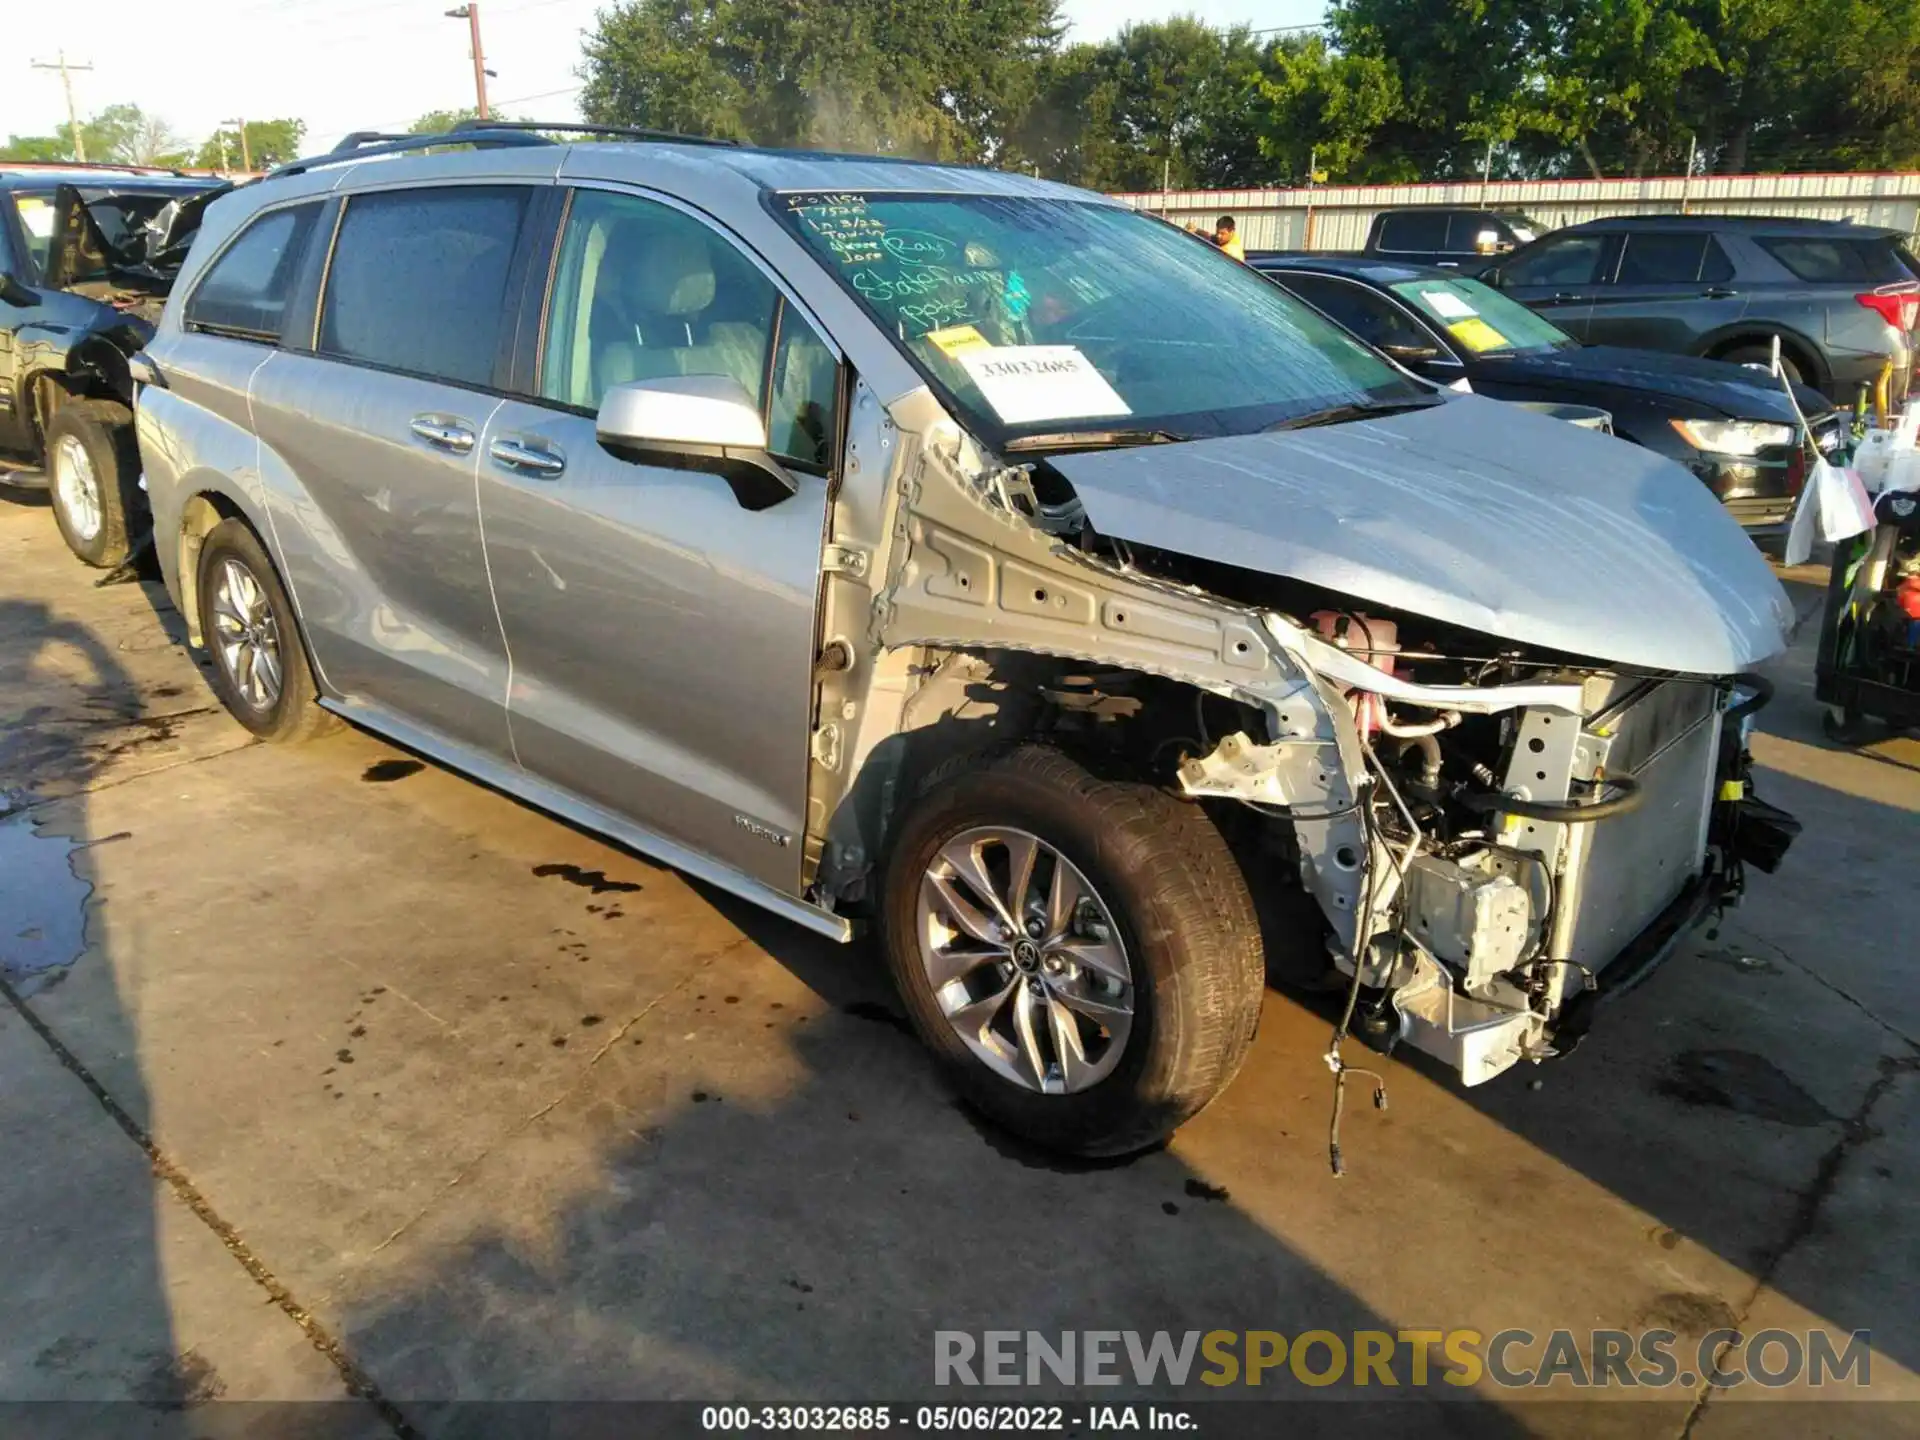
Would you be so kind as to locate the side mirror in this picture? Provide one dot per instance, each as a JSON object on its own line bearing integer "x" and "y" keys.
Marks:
{"x": 1410, "y": 354}
{"x": 695, "y": 422}
{"x": 13, "y": 292}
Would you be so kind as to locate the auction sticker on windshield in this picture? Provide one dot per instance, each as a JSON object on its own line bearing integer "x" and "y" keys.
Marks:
{"x": 1476, "y": 334}
{"x": 1040, "y": 382}
{"x": 957, "y": 339}
{"x": 1446, "y": 304}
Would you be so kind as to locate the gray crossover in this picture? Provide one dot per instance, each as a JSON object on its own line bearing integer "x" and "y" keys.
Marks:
{"x": 973, "y": 559}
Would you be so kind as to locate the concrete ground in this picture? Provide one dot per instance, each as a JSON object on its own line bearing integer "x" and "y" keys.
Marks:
{"x": 326, "y": 1073}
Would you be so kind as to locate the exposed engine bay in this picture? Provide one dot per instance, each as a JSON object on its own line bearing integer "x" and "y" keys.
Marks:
{"x": 1521, "y": 817}
{"x": 1494, "y": 832}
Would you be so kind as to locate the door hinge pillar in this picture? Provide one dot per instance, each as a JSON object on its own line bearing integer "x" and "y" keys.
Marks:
{"x": 844, "y": 560}
{"x": 826, "y": 746}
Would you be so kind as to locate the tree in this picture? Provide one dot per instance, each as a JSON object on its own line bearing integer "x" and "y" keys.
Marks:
{"x": 269, "y": 143}
{"x": 1317, "y": 109}
{"x": 436, "y": 121}
{"x": 943, "y": 79}
{"x": 118, "y": 135}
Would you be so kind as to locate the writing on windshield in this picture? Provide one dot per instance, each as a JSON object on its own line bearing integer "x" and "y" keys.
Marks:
{"x": 1091, "y": 311}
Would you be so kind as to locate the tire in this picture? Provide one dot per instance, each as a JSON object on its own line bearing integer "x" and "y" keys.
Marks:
{"x": 93, "y": 473}
{"x": 237, "y": 585}
{"x": 1178, "y": 907}
{"x": 1762, "y": 355}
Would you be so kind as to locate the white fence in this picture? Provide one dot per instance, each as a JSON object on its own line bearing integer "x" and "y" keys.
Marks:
{"x": 1337, "y": 217}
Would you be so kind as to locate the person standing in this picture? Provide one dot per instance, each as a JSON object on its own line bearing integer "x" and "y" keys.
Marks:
{"x": 1227, "y": 236}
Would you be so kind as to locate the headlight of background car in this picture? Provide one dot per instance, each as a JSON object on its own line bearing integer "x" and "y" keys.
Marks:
{"x": 1733, "y": 437}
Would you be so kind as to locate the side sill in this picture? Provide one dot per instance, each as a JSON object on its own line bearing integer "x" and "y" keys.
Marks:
{"x": 530, "y": 790}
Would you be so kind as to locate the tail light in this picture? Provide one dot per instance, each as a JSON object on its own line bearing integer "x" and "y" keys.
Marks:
{"x": 1899, "y": 311}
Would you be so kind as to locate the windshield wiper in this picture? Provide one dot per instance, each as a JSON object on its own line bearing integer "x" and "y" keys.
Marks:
{"x": 1359, "y": 410}
{"x": 1091, "y": 440}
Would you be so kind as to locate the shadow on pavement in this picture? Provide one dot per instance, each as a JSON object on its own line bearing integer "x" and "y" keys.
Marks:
{"x": 84, "y": 1310}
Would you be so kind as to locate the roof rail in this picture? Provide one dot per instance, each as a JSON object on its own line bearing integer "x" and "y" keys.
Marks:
{"x": 367, "y": 144}
{"x": 96, "y": 165}
{"x": 567, "y": 127}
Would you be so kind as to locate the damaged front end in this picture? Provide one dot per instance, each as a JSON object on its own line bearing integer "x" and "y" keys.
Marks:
{"x": 124, "y": 243}
{"x": 1496, "y": 823}
{"x": 1493, "y": 857}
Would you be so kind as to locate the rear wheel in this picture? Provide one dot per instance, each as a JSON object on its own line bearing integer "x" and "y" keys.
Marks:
{"x": 260, "y": 669}
{"x": 1080, "y": 953}
{"x": 93, "y": 471}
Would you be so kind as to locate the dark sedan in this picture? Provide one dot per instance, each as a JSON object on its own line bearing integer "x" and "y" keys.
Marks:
{"x": 1732, "y": 426}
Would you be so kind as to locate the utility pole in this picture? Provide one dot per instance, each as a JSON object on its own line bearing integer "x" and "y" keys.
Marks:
{"x": 1686, "y": 185}
{"x": 1486, "y": 175}
{"x": 1313, "y": 169}
{"x": 66, "y": 84}
{"x": 246, "y": 150}
{"x": 470, "y": 13}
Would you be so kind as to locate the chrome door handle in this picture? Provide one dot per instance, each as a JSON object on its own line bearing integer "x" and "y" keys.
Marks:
{"x": 516, "y": 456}
{"x": 442, "y": 434}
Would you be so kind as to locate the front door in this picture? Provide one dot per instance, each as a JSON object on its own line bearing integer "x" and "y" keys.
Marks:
{"x": 26, "y": 231}
{"x": 663, "y": 636}
{"x": 371, "y": 443}
{"x": 1671, "y": 288}
{"x": 1558, "y": 275}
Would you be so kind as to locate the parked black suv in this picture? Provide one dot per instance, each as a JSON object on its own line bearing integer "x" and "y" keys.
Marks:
{"x": 87, "y": 255}
{"x": 1842, "y": 298}
{"x": 1466, "y": 240}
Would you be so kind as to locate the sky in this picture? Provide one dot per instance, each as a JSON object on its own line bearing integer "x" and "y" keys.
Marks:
{"x": 364, "y": 64}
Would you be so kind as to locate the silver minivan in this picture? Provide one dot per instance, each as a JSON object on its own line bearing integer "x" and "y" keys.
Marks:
{"x": 974, "y": 559}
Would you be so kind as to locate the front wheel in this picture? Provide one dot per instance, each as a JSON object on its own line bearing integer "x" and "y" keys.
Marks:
{"x": 93, "y": 471}
{"x": 1760, "y": 357}
{"x": 1081, "y": 954}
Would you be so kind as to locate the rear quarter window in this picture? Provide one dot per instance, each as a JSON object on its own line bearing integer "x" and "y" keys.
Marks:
{"x": 1820, "y": 260}
{"x": 244, "y": 292}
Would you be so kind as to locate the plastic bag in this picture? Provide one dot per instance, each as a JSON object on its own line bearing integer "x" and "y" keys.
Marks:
{"x": 1832, "y": 507}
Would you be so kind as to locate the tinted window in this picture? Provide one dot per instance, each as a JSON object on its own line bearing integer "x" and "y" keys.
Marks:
{"x": 1414, "y": 230}
{"x": 245, "y": 291}
{"x": 1851, "y": 262}
{"x": 1473, "y": 233}
{"x": 418, "y": 280}
{"x": 1662, "y": 258}
{"x": 1368, "y": 314}
{"x": 643, "y": 292}
{"x": 1564, "y": 260}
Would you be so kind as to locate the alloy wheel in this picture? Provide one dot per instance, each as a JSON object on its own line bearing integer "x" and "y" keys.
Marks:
{"x": 246, "y": 636}
{"x": 1024, "y": 960}
{"x": 78, "y": 488}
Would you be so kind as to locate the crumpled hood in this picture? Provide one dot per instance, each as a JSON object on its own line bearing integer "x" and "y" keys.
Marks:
{"x": 1715, "y": 387}
{"x": 1472, "y": 513}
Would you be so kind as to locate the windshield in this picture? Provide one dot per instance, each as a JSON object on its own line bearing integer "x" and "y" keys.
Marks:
{"x": 1040, "y": 316}
{"x": 1482, "y": 319}
{"x": 36, "y": 214}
